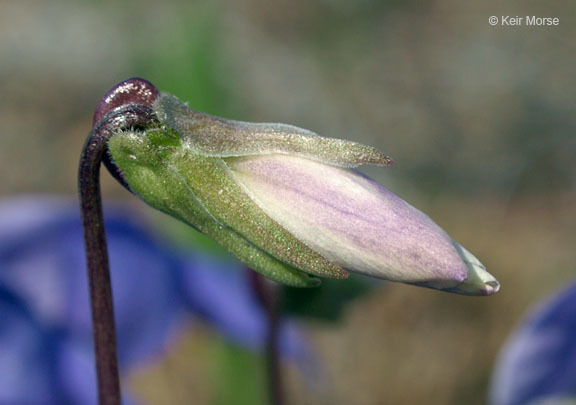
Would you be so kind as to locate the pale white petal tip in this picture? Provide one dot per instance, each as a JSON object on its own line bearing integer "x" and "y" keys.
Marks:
{"x": 479, "y": 281}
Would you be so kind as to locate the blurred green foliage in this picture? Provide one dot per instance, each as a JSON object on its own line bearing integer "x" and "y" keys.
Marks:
{"x": 241, "y": 377}
{"x": 329, "y": 301}
{"x": 186, "y": 60}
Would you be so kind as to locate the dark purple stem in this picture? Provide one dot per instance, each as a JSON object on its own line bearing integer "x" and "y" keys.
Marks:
{"x": 95, "y": 243}
{"x": 268, "y": 295}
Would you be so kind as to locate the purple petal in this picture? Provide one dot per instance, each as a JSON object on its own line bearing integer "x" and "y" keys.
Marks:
{"x": 45, "y": 263}
{"x": 26, "y": 374}
{"x": 76, "y": 372}
{"x": 538, "y": 363}
{"x": 351, "y": 220}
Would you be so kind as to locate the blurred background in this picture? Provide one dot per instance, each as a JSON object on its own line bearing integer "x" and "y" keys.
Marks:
{"x": 479, "y": 119}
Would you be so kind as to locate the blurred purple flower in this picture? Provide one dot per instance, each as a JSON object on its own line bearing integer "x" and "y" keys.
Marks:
{"x": 46, "y": 353}
{"x": 25, "y": 354}
{"x": 232, "y": 309}
{"x": 538, "y": 363}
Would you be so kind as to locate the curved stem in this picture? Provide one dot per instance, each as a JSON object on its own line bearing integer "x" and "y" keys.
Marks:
{"x": 96, "y": 249}
{"x": 267, "y": 293}
{"x": 99, "y": 274}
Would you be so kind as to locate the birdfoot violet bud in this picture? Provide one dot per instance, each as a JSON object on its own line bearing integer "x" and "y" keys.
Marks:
{"x": 288, "y": 202}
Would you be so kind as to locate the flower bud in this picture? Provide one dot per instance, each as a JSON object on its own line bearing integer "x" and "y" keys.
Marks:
{"x": 288, "y": 202}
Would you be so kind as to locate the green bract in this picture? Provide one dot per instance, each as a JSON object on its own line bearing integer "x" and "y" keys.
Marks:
{"x": 181, "y": 168}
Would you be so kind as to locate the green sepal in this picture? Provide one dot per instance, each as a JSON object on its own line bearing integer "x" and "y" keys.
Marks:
{"x": 153, "y": 171}
{"x": 214, "y": 136}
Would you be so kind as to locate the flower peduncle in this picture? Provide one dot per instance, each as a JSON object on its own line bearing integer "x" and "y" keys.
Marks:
{"x": 93, "y": 153}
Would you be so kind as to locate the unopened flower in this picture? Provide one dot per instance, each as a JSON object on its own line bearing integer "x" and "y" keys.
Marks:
{"x": 284, "y": 200}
